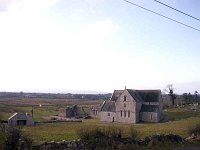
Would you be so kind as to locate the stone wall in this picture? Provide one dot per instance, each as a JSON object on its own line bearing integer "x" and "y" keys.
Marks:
{"x": 138, "y": 108}
{"x": 149, "y": 117}
{"x": 108, "y": 116}
{"x": 95, "y": 111}
{"x": 128, "y": 110}
{"x": 125, "y": 104}
{"x": 76, "y": 144}
{"x": 120, "y": 143}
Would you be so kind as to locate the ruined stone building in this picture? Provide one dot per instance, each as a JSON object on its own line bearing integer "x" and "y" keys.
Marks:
{"x": 19, "y": 119}
{"x": 74, "y": 111}
{"x": 133, "y": 106}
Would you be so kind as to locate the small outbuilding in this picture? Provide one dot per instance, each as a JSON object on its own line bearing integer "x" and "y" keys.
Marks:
{"x": 20, "y": 119}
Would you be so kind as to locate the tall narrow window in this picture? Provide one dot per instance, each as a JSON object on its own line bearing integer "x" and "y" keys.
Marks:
{"x": 129, "y": 113}
{"x": 124, "y": 98}
{"x": 124, "y": 105}
{"x": 124, "y": 114}
{"x": 121, "y": 113}
{"x": 151, "y": 117}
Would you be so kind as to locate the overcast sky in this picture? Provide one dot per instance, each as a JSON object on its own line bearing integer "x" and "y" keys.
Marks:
{"x": 98, "y": 45}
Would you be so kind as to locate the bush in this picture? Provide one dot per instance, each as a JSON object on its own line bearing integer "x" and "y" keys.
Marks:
{"x": 133, "y": 133}
{"x": 164, "y": 140}
{"x": 100, "y": 138}
{"x": 12, "y": 138}
{"x": 112, "y": 132}
{"x": 2, "y": 140}
{"x": 195, "y": 130}
{"x": 16, "y": 140}
{"x": 2, "y": 136}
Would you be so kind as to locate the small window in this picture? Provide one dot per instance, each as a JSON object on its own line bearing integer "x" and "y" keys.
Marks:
{"x": 108, "y": 114}
{"x": 129, "y": 113}
{"x": 124, "y": 98}
{"x": 124, "y": 105}
{"x": 121, "y": 113}
{"x": 124, "y": 113}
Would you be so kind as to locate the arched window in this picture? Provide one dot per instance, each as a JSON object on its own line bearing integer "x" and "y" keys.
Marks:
{"x": 124, "y": 113}
{"x": 129, "y": 113}
{"x": 124, "y": 98}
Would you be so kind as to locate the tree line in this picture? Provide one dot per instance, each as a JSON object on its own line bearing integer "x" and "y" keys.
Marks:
{"x": 185, "y": 98}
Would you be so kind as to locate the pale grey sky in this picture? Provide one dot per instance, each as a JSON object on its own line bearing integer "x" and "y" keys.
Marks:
{"x": 99, "y": 45}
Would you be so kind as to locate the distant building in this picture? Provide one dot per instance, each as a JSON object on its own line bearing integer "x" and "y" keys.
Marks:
{"x": 74, "y": 111}
{"x": 20, "y": 119}
{"x": 133, "y": 106}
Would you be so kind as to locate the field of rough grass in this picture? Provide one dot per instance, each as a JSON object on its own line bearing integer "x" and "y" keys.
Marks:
{"x": 181, "y": 120}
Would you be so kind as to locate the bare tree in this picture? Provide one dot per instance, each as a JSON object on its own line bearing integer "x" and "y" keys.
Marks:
{"x": 170, "y": 91}
{"x": 195, "y": 96}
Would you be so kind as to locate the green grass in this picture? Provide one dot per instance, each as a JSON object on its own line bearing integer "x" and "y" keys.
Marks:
{"x": 181, "y": 122}
{"x": 38, "y": 112}
{"x": 181, "y": 113}
{"x": 68, "y": 131}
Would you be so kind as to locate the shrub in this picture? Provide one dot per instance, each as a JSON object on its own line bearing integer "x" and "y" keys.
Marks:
{"x": 112, "y": 132}
{"x": 2, "y": 135}
{"x": 2, "y": 140}
{"x": 195, "y": 130}
{"x": 133, "y": 133}
{"x": 100, "y": 138}
{"x": 12, "y": 138}
{"x": 16, "y": 140}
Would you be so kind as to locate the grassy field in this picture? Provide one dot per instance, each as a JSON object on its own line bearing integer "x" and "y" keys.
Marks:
{"x": 181, "y": 122}
{"x": 182, "y": 119}
{"x": 68, "y": 131}
{"x": 49, "y": 107}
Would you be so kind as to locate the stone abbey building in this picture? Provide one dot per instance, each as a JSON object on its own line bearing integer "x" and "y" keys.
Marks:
{"x": 133, "y": 106}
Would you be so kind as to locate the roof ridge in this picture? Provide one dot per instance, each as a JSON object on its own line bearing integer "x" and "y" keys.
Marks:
{"x": 136, "y": 96}
{"x": 114, "y": 94}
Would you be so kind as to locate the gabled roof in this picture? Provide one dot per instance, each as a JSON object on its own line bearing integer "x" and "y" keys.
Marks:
{"x": 134, "y": 95}
{"x": 116, "y": 94}
{"x": 139, "y": 95}
{"x": 149, "y": 95}
{"x": 20, "y": 116}
{"x": 108, "y": 106}
{"x": 149, "y": 108}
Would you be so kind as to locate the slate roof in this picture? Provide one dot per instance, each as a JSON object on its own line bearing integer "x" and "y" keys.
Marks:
{"x": 149, "y": 95}
{"x": 108, "y": 106}
{"x": 149, "y": 108}
{"x": 116, "y": 94}
{"x": 139, "y": 95}
{"x": 134, "y": 94}
{"x": 19, "y": 116}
